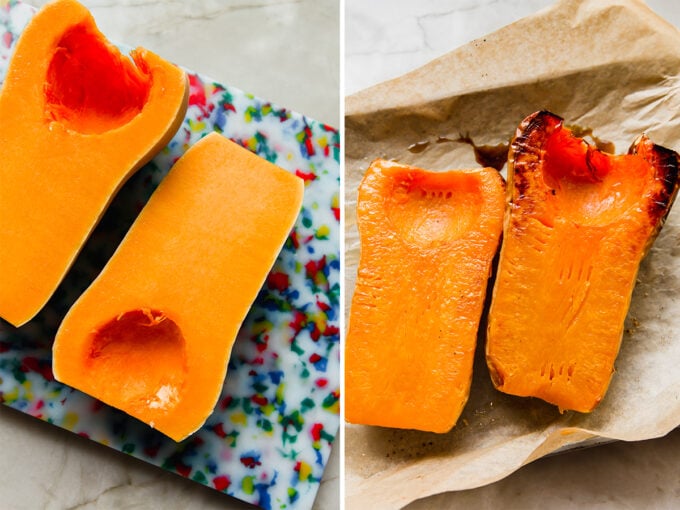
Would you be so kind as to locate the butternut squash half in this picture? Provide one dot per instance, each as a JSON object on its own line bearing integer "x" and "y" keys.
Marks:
{"x": 153, "y": 333}
{"x": 77, "y": 118}
{"x": 578, "y": 224}
{"x": 427, "y": 242}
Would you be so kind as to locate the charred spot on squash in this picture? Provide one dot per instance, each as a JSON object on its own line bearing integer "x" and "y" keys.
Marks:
{"x": 527, "y": 144}
{"x": 496, "y": 373}
{"x": 450, "y": 213}
{"x": 138, "y": 358}
{"x": 665, "y": 162}
{"x": 90, "y": 86}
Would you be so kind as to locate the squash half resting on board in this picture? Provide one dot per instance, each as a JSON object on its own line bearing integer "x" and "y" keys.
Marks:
{"x": 578, "y": 224}
{"x": 77, "y": 118}
{"x": 427, "y": 242}
{"x": 153, "y": 333}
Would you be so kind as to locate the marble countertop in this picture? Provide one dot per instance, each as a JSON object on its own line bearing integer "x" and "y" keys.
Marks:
{"x": 385, "y": 39}
{"x": 286, "y": 52}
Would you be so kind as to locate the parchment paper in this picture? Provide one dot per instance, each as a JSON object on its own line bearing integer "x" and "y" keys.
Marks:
{"x": 612, "y": 66}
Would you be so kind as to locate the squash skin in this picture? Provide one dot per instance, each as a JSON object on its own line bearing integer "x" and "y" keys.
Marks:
{"x": 188, "y": 272}
{"x": 427, "y": 243}
{"x": 57, "y": 179}
{"x": 577, "y": 226}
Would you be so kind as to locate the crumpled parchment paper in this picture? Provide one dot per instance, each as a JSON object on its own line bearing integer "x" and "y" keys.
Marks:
{"x": 610, "y": 66}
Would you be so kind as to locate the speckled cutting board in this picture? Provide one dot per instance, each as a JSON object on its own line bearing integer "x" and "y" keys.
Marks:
{"x": 270, "y": 436}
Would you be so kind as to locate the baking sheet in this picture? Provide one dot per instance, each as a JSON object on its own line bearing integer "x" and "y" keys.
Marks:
{"x": 609, "y": 66}
{"x": 270, "y": 436}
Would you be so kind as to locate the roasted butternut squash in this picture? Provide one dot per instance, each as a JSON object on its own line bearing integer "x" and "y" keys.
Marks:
{"x": 77, "y": 118}
{"x": 578, "y": 223}
{"x": 427, "y": 242}
{"x": 153, "y": 333}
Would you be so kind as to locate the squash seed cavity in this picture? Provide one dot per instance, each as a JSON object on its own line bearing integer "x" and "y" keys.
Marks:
{"x": 140, "y": 356}
{"x": 91, "y": 87}
{"x": 428, "y": 212}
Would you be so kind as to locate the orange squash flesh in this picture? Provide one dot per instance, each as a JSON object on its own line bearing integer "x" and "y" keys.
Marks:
{"x": 77, "y": 118}
{"x": 427, "y": 242}
{"x": 153, "y": 333}
{"x": 577, "y": 226}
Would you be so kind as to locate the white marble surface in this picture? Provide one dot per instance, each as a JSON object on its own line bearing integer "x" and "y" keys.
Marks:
{"x": 286, "y": 52}
{"x": 386, "y": 38}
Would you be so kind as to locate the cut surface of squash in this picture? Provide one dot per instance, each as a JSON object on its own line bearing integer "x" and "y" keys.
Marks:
{"x": 578, "y": 224}
{"x": 427, "y": 242}
{"x": 77, "y": 118}
{"x": 153, "y": 333}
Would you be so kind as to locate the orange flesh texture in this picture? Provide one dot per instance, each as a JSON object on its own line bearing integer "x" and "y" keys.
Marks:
{"x": 577, "y": 227}
{"x": 152, "y": 335}
{"x": 427, "y": 242}
{"x": 77, "y": 119}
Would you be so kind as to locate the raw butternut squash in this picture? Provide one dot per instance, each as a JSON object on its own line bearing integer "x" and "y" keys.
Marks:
{"x": 153, "y": 333}
{"x": 427, "y": 242}
{"x": 77, "y": 118}
{"x": 578, "y": 224}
